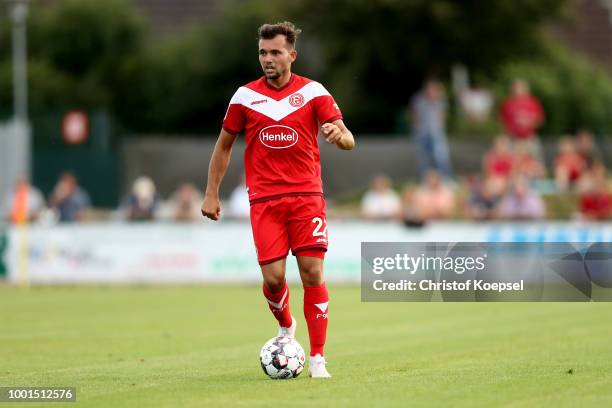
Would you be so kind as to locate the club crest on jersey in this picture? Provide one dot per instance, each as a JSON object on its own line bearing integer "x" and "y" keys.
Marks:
{"x": 278, "y": 137}
{"x": 296, "y": 100}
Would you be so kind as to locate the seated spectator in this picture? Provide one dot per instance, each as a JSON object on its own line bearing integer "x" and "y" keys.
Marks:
{"x": 408, "y": 213}
{"x": 484, "y": 198}
{"x": 24, "y": 203}
{"x": 433, "y": 200}
{"x": 585, "y": 146}
{"x": 498, "y": 161}
{"x": 69, "y": 200}
{"x": 521, "y": 202}
{"x": 569, "y": 164}
{"x": 596, "y": 202}
{"x": 595, "y": 196}
{"x": 185, "y": 203}
{"x": 593, "y": 175}
{"x": 142, "y": 203}
{"x": 380, "y": 201}
{"x": 526, "y": 164}
{"x": 238, "y": 206}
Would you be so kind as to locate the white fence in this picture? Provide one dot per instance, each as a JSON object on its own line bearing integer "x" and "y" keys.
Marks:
{"x": 169, "y": 253}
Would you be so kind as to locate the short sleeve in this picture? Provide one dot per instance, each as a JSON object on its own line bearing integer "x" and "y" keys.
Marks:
{"x": 326, "y": 108}
{"x": 234, "y": 117}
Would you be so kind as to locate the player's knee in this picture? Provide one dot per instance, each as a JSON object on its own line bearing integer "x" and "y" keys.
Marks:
{"x": 312, "y": 275}
{"x": 275, "y": 283}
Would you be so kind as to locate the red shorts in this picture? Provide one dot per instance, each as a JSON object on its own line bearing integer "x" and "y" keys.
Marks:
{"x": 293, "y": 222}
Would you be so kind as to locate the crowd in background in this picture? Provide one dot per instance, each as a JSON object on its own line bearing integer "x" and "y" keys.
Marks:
{"x": 512, "y": 184}
{"x": 69, "y": 202}
{"x": 514, "y": 177}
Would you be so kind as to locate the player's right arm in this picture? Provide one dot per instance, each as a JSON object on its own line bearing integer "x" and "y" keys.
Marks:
{"x": 211, "y": 207}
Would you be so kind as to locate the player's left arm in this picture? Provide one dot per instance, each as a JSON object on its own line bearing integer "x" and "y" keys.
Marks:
{"x": 337, "y": 133}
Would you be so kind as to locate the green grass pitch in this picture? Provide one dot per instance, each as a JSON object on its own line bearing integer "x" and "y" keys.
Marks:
{"x": 198, "y": 346}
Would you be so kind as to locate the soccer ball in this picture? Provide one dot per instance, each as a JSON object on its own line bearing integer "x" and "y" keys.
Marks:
{"x": 282, "y": 357}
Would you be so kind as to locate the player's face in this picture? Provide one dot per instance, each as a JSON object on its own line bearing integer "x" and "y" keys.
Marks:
{"x": 276, "y": 56}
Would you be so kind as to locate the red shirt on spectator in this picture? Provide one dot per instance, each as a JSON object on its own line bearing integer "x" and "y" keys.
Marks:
{"x": 499, "y": 164}
{"x": 573, "y": 163}
{"x": 521, "y": 116}
{"x": 527, "y": 165}
{"x": 596, "y": 205}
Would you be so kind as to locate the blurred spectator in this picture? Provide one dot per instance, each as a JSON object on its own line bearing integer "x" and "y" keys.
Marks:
{"x": 527, "y": 164}
{"x": 499, "y": 161}
{"x": 185, "y": 203}
{"x": 569, "y": 164}
{"x": 596, "y": 199}
{"x": 522, "y": 114}
{"x": 521, "y": 202}
{"x": 591, "y": 177}
{"x": 24, "y": 203}
{"x": 585, "y": 146}
{"x": 428, "y": 113}
{"x": 239, "y": 206}
{"x": 484, "y": 197}
{"x": 142, "y": 203}
{"x": 380, "y": 201}
{"x": 432, "y": 200}
{"x": 69, "y": 200}
{"x": 476, "y": 103}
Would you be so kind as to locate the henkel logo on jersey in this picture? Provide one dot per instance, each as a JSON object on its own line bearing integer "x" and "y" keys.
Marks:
{"x": 278, "y": 137}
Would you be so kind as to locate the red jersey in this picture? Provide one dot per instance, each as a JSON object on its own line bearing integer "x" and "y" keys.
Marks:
{"x": 522, "y": 116}
{"x": 281, "y": 126}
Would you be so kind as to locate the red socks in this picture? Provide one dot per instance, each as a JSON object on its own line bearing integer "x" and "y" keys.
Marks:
{"x": 279, "y": 304}
{"x": 316, "y": 300}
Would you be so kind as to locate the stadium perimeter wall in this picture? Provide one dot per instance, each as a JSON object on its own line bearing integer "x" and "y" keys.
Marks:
{"x": 172, "y": 253}
{"x": 170, "y": 161}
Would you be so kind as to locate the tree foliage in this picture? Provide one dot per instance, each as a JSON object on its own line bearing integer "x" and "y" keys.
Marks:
{"x": 77, "y": 51}
{"x": 371, "y": 54}
{"x": 377, "y": 53}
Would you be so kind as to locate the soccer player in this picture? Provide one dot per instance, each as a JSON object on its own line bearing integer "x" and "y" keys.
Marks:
{"x": 281, "y": 115}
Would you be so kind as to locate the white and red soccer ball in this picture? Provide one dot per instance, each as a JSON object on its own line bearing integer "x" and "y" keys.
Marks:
{"x": 282, "y": 358}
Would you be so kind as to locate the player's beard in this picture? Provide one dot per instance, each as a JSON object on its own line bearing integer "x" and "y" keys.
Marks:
{"x": 273, "y": 75}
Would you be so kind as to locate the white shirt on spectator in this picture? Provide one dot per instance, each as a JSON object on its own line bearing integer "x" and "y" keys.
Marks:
{"x": 379, "y": 204}
{"x": 239, "y": 206}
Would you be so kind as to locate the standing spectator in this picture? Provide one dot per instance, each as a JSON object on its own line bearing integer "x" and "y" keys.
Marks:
{"x": 522, "y": 114}
{"x": 428, "y": 113}
{"x": 142, "y": 203}
{"x": 69, "y": 200}
{"x": 433, "y": 200}
{"x": 521, "y": 202}
{"x": 569, "y": 164}
{"x": 24, "y": 203}
{"x": 185, "y": 203}
{"x": 476, "y": 102}
{"x": 380, "y": 201}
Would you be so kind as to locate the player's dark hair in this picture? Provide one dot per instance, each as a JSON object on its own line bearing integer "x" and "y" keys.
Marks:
{"x": 286, "y": 28}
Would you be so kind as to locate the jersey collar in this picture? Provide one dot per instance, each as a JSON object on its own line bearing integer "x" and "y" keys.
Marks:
{"x": 282, "y": 88}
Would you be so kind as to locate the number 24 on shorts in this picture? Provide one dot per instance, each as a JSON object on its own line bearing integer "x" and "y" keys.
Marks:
{"x": 320, "y": 229}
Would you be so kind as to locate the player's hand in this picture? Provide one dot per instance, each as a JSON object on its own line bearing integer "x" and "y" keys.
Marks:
{"x": 211, "y": 208}
{"x": 332, "y": 133}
